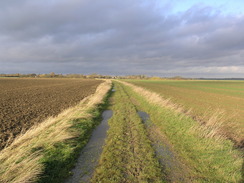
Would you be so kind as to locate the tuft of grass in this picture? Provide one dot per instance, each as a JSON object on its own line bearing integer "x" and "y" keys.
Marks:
{"x": 37, "y": 154}
{"x": 127, "y": 155}
{"x": 209, "y": 157}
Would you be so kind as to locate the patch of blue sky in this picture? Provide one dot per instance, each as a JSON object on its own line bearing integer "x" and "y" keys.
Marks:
{"x": 226, "y": 7}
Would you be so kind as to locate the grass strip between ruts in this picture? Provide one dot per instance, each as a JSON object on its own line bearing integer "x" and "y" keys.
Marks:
{"x": 127, "y": 155}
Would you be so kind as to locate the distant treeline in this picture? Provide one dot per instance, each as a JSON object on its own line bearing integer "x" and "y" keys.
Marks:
{"x": 54, "y": 75}
{"x": 221, "y": 78}
{"x": 90, "y": 76}
{"x": 99, "y": 76}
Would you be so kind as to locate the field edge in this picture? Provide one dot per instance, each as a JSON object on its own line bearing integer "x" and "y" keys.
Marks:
{"x": 27, "y": 157}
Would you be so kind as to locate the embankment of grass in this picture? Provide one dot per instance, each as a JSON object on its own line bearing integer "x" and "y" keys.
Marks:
{"x": 210, "y": 158}
{"x": 47, "y": 152}
{"x": 127, "y": 155}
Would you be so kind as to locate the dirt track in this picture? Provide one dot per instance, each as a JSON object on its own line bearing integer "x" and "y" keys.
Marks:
{"x": 24, "y": 102}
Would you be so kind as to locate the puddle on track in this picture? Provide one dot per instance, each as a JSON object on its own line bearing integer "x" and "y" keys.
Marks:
{"x": 174, "y": 170}
{"x": 144, "y": 116}
{"x": 90, "y": 154}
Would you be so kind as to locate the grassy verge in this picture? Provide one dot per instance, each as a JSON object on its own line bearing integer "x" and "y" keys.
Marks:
{"x": 46, "y": 152}
{"x": 210, "y": 158}
{"x": 215, "y": 103}
{"x": 127, "y": 155}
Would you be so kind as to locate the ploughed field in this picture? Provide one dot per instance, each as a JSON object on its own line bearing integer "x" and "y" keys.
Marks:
{"x": 205, "y": 98}
{"x": 25, "y": 102}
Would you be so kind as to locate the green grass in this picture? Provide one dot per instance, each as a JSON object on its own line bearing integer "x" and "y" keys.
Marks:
{"x": 127, "y": 155}
{"x": 226, "y": 87}
{"x": 209, "y": 159}
{"x": 205, "y": 98}
{"x": 59, "y": 159}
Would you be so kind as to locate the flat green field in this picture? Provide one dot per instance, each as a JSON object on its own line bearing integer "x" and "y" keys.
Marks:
{"x": 205, "y": 98}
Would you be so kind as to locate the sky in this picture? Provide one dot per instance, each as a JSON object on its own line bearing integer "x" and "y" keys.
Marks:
{"x": 188, "y": 38}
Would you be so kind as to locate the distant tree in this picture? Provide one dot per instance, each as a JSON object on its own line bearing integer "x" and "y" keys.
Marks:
{"x": 44, "y": 75}
{"x": 93, "y": 76}
{"x": 177, "y": 78}
{"x": 155, "y": 78}
{"x": 75, "y": 76}
{"x": 52, "y": 74}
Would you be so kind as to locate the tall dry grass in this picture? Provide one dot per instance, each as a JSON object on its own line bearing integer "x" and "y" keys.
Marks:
{"x": 20, "y": 161}
{"x": 155, "y": 98}
{"x": 212, "y": 122}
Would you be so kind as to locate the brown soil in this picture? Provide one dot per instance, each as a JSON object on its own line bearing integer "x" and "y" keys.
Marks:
{"x": 25, "y": 102}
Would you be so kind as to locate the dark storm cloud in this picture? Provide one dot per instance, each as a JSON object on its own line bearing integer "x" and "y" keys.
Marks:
{"x": 122, "y": 37}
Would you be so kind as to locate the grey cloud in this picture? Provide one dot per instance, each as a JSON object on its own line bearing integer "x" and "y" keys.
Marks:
{"x": 118, "y": 37}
